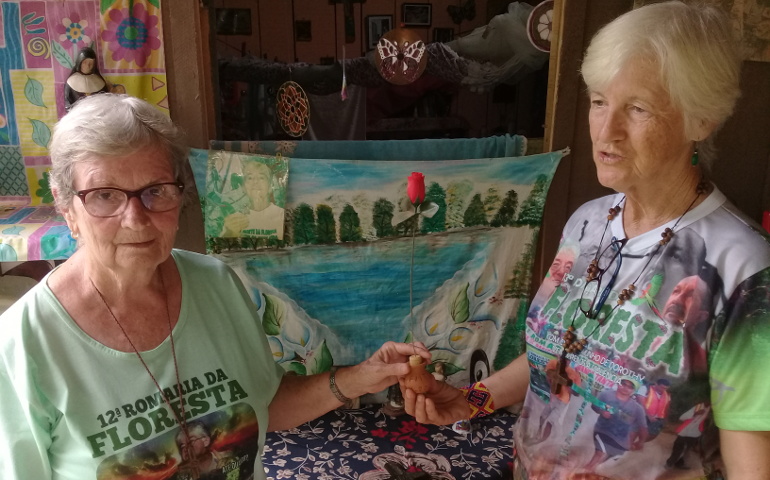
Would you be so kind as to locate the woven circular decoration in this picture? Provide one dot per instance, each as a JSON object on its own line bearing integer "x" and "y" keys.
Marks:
{"x": 292, "y": 108}
{"x": 400, "y": 56}
{"x": 540, "y": 25}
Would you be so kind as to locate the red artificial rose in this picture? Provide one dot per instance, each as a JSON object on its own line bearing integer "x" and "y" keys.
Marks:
{"x": 415, "y": 188}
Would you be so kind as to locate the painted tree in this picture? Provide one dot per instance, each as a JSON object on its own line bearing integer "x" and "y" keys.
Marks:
{"x": 474, "y": 214}
{"x": 304, "y": 225}
{"x": 350, "y": 225}
{"x": 325, "y": 226}
{"x": 288, "y": 221}
{"x": 456, "y": 195}
{"x": 382, "y": 218}
{"x": 521, "y": 281}
{"x": 365, "y": 208}
{"x": 506, "y": 215}
{"x": 437, "y": 223}
{"x": 531, "y": 212}
{"x": 491, "y": 203}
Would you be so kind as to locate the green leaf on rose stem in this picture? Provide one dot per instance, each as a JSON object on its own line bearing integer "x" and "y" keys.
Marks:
{"x": 297, "y": 368}
{"x": 273, "y": 318}
{"x": 33, "y": 90}
{"x": 460, "y": 307}
{"x": 428, "y": 209}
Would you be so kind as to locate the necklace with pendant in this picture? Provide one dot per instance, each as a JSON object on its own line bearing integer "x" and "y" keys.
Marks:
{"x": 193, "y": 470}
{"x": 572, "y": 344}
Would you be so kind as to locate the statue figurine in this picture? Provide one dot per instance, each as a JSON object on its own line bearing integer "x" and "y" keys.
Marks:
{"x": 84, "y": 79}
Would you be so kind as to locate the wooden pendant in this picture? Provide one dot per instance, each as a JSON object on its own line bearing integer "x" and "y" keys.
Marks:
{"x": 418, "y": 379}
{"x": 559, "y": 376}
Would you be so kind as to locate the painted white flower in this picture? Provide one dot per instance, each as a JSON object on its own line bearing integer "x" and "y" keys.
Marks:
{"x": 74, "y": 30}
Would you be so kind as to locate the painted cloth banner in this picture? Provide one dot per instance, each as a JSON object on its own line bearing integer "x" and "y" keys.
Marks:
{"x": 338, "y": 285}
{"x": 39, "y": 45}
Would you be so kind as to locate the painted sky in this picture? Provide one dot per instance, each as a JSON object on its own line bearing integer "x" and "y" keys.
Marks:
{"x": 341, "y": 175}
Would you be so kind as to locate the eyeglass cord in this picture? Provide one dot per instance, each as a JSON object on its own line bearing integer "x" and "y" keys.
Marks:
{"x": 605, "y": 293}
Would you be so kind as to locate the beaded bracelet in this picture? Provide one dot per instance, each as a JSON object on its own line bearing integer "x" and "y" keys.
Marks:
{"x": 333, "y": 387}
{"x": 479, "y": 399}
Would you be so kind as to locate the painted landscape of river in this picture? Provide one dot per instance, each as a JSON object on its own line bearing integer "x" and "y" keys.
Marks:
{"x": 337, "y": 285}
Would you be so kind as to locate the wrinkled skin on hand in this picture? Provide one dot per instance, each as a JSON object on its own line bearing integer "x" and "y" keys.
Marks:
{"x": 442, "y": 404}
{"x": 388, "y": 364}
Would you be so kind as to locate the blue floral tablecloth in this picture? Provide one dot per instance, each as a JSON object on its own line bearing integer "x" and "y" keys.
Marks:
{"x": 367, "y": 444}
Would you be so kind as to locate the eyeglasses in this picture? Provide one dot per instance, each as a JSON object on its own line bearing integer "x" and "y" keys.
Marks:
{"x": 599, "y": 266}
{"x": 110, "y": 201}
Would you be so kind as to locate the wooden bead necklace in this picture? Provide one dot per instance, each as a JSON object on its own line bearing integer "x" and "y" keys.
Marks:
{"x": 571, "y": 344}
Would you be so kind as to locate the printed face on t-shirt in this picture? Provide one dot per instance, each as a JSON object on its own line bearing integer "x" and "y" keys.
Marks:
{"x": 561, "y": 265}
{"x": 256, "y": 182}
{"x": 685, "y": 302}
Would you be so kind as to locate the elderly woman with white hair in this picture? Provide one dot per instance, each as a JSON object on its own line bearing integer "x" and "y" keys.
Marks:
{"x": 661, "y": 79}
{"x": 109, "y": 362}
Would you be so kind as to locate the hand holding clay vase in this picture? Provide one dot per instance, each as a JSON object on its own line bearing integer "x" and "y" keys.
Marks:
{"x": 418, "y": 379}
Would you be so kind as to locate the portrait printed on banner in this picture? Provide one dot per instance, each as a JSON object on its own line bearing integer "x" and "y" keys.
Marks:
{"x": 246, "y": 195}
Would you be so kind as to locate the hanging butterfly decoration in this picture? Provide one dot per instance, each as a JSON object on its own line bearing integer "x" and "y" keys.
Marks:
{"x": 293, "y": 109}
{"x": 401, "y": 57}
{"x": 466, "y": 11}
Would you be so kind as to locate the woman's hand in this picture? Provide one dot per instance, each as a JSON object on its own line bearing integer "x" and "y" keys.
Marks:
{"x": 302, "y": 398}
{"x": 385, "y": 366}
{"x": 442, "y": 404}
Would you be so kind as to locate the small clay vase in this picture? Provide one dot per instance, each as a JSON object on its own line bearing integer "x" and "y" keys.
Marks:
{"x": 418, "y": 379}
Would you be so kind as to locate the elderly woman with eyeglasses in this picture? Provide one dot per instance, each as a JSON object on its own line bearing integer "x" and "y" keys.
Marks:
{"x": 107, "y": 365}
{"x": 669, "y": 286}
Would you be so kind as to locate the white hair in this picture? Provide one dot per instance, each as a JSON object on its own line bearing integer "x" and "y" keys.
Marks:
{"x": 108, "y": 125}
{"x": 693, "y": 45}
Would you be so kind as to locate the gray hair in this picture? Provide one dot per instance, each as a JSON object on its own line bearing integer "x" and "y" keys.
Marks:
{"x": 108, "y": 125}
{"x": 697, "y": 53}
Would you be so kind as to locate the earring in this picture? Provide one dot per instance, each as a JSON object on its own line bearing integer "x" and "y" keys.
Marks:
{"x": 694, "y": 158}
{"x": 74, "y": 235}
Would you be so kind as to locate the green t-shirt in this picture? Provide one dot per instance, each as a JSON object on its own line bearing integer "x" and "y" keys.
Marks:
{"x": 75, "y": 409}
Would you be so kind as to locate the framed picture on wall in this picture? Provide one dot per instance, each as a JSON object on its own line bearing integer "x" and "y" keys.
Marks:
{"x": 376, "y": 27}
{"x": 233, "y": 21}
{"x": 416, "y": 14}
